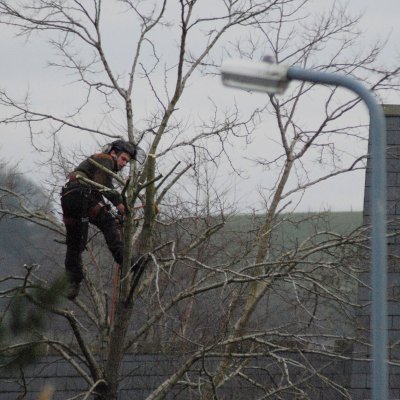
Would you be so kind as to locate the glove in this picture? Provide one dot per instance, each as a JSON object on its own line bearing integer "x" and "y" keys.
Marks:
{"x": 121, "y": 208}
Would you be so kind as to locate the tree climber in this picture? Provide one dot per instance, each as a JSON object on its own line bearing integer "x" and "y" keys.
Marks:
{"x": 82, "y": 202}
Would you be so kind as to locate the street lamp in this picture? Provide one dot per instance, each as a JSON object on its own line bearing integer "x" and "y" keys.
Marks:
{"x": 273, "y": 78}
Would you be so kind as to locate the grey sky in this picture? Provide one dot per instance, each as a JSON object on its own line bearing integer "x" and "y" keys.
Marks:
{"x": 22, "y": 66}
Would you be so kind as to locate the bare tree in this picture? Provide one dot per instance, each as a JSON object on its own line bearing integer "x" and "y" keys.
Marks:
{"x": 193, "y": 278}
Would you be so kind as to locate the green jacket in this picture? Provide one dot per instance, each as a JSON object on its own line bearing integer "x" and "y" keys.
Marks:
{"x": 91, "y": 171}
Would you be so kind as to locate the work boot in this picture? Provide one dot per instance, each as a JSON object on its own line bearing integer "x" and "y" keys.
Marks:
{"x": 73, "y": 290}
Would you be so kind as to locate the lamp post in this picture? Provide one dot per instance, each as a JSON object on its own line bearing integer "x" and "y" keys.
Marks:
{"x": 273, "y": 78}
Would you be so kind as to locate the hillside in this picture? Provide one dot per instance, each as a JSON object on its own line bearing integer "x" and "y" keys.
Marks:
{"x": 23, "y": 242}
{"x": 300, "y": 224}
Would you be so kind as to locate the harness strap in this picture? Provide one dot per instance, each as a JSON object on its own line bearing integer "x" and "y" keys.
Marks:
{"x": 94, "y": 211}
{"x": 85, "y": 215}
{"x": 71, "y": 221}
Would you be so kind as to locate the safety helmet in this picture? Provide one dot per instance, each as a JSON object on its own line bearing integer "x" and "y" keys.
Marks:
{"x": 134, "y": 151}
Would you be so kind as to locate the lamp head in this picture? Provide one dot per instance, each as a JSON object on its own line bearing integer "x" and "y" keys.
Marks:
{"x": 262, "y": 76}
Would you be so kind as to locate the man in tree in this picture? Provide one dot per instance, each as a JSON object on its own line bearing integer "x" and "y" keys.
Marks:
{"x": 82, "y": 202}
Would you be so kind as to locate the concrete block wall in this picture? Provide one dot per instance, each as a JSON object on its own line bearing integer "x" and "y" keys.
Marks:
{"x": 361, "y": 371}
{"x": 144, "y": 372}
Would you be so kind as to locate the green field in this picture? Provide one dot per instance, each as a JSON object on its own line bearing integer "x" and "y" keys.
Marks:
{"x": 290, "y": 229}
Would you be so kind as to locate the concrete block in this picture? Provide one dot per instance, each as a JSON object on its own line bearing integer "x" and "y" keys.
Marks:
{"x": 393, "y": 128}
{"x": 393, "y": 151}
{"x": 392, "y": 164}
{"x": 364, "y": 294}
{"x": 394, "y": 322}
{"x": 359, "y": 381}
{"x": 393, "y": 307}
{"x": 391, "y": 179}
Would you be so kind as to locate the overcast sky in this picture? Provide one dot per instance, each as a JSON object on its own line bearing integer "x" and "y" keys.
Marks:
{"x": 23, "y": 66}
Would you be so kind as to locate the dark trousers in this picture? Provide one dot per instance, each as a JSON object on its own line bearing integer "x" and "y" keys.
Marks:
{"x": 77, "y": 203}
